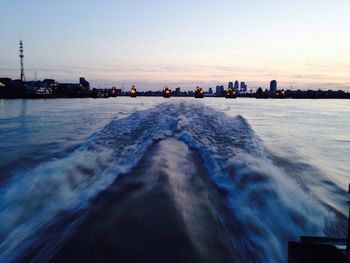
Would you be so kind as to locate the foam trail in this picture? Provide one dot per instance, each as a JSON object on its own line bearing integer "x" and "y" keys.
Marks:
{"x": 32, "y": 199}
{"x": 266, "y": 207}
{"x": 163, "y": 210}
{"x": 270, "y": 207}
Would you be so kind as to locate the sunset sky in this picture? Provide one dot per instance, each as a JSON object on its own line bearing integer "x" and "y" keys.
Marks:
{"x": 301, "y": 43}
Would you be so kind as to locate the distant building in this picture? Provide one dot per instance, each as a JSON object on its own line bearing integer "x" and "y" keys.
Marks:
{"x": 273, "y": 87}
{"x": 259, "y": 91}
{"x": 243, "y": 87}
{"x": 262, "y": 94}
{"x": 230, "y": 85}
{"x": 236, "y": 86}
{"x": 81, "y": 89}
{"x": 11, "y": 88}
{"x": 38, "y": 88}
{"x": 84, "y": 85}
{"x": 210, "y": 91}
{"x": 50, "y": 84}
{"x": 220, "y": 91}
{"x": 177, "y": 91}
{"x": 217, "y": 90}
{"x": 4, "y": 81}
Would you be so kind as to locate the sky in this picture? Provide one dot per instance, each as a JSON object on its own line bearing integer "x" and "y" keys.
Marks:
{"x": 301, "y": 43}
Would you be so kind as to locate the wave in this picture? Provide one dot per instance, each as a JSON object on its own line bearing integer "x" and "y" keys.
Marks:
{"x": 265, "y": 207}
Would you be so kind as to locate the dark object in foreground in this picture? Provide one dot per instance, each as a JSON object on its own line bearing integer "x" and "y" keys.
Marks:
{"x": 320, "y": 249}
{"x": 198, "y": 93}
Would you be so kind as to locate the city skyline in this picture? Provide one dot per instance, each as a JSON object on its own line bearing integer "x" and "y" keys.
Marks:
{"x": 184, "y": 44}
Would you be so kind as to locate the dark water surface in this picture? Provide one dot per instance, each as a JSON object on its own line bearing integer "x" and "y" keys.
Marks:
{"x": 179, "y": 180}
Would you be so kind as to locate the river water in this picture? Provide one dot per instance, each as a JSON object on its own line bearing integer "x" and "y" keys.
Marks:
{"x": 170, "y": 180}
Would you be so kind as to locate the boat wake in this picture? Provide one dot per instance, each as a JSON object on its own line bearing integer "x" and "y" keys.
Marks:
{"x": 196, "y": 184}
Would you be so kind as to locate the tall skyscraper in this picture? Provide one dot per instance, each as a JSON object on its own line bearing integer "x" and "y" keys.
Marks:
{"x": 273, "y": 87}
{"x": 220, "y": 90}
{"x": 236, "y": 87}
{"x": 217, "y": 90}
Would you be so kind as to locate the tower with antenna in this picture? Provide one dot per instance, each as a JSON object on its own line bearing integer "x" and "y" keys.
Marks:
{"x": 21, "y": 57}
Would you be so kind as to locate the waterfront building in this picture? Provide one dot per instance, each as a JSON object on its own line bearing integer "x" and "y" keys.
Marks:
{"x": 236, "y": 86}
{"x": 81, "y": 89}
{"x": 243, "y": 87}
{"x": 177, "y": 91}
{"x": 11, "y": 88}
{"x": 220, "y": 91}
{"x": 84, "y": 85}
{"x": 217, "y": 90}
{"x": 273, "y": 87}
